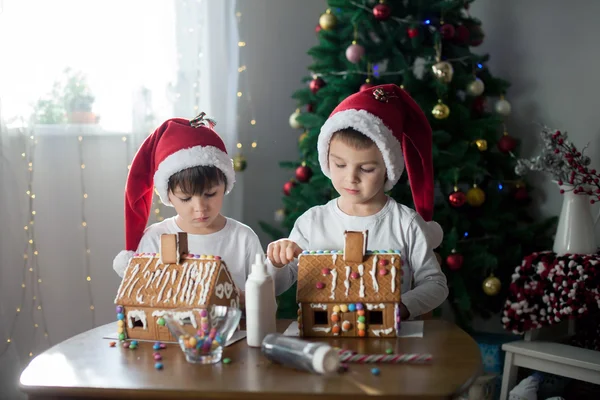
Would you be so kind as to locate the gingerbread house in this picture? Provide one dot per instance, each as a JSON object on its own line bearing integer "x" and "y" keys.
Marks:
{"x": 352, "y": 293}
{"x": 172, "y": 281}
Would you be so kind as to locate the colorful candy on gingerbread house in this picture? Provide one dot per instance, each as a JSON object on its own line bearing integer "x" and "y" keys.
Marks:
{"x": 349, "y": 293}
{"x": 172, "y": 282}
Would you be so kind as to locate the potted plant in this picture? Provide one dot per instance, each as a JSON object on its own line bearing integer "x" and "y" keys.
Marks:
{"x": 78, "y": 98}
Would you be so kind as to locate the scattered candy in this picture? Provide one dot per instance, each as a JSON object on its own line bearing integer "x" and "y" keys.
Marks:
{"x": 125, "y": 345}
{"x": 157, "y": 357}
{"x": 112, "y": 344}
{"x": 163, "y": 346}
{"x": 133, "y": 346}
{"x": 226, "y": 360}
{"x": 134, "y": 342}
{"x": 389, "y": 351}
{"x": 156, "y": 346}
{"x": 375, "y": 371}
{"x": 121, "y": 336}
{"x": 158, "y": 365}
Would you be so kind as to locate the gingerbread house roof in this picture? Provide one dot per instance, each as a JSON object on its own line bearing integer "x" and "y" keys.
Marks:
{"x": 189, "y": 283}
{"x": 326, "y": 277}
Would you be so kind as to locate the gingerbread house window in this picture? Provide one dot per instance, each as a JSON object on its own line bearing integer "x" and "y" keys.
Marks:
{"x": 186, "y": 321}
{"x": 320, "y": 318}
{"x": 136, "y": 322}
{"x": 375, "y": 318}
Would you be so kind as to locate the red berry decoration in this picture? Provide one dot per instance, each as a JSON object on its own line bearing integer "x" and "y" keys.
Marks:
{"x": 287, "y": 187}
{"x": 354, "y": 275}
{"x": 320, "y": 285}
{"x": 457, "y": 198}
{"x": 454, "y": 261}
{"x": 447, "y": 31}
{"x": 479, "y": 105}
{"x": 462, "y": 34}
{"x": 381, "y": 12}
{"x": 383, "y": 272}
{"x": 383, "y": 262}
{"x": 316, "y": 84}
{"x": 325, "y": 271}
{"x": 412, "y": 32}
{"x": 318, "y": 28}
{"x": 507, "y": 143}
{"x": 303, "y": 173}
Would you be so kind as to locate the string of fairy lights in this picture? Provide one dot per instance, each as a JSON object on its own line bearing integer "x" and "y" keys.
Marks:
{"x": 31, "y": 277}
{"x": 84, "y": 225}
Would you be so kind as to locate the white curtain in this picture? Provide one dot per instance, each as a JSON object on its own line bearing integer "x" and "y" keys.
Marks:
{"x": 143, "y": 61}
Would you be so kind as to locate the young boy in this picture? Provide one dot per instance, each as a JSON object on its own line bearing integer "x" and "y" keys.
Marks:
{"x": 188, "y": 164}
{"x": 363, "y": 147}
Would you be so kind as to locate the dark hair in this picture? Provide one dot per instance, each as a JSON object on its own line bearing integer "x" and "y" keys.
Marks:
{"x": 195, "y": 180}
{"x": 353, "y": 138}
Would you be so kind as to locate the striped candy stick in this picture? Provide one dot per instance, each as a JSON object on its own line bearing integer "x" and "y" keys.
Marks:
{"x": 347, "y": 356}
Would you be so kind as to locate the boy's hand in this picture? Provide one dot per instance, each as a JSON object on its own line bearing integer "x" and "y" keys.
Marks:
{"x": 282, "y": 252}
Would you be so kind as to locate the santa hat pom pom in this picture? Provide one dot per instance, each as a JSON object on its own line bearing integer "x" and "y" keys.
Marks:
{"x": 121, "y": 261}
{"x": 435, "y": 234}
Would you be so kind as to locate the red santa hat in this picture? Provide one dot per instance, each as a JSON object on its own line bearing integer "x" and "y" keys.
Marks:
{"x": 176, "y": 145}
{"x": 394, "y": 121}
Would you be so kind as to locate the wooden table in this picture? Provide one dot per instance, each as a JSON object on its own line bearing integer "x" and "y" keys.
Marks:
{"x": 85, "y": 366}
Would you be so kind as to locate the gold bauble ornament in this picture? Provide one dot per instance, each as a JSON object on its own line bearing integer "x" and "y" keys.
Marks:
{"x": 302, "y": 137}
{"x": 239, "y": 163}
{"x": 475, "y": 88}
{"x": 294, "y": 124}
{"x": 481, "y": 144}
{"x": 440, "y": 111}
{"x": 492, "y": 285}
{"x": 475, "y": 196}
{"x": 328, "y": 21}
{"x": 443, "y": 71}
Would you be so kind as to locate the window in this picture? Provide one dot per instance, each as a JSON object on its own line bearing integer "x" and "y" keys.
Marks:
{"x": 375, "y": 317}
{"x": 137, "y": 322}
{"x": 320, "y": 317}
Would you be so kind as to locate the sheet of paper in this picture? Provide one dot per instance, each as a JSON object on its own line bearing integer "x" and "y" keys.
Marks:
{"x": 409, "y": 329}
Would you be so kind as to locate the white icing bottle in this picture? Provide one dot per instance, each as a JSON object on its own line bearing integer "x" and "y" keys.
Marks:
{"x": 261, "y": 306}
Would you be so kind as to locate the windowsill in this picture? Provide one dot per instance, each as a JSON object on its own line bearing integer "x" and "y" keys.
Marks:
{"x": 72, "y": 130}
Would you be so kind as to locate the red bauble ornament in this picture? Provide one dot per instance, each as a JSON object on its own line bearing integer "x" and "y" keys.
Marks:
{"x": 521, "y": 194}
{"x": 287, "y": 188}
{"x": 303, "y": 173}
{"x": 462, "y": 34}
{"x": 476, "y": 35}
{"x": 447, "y": 31}
{"x": 507, "y": 143}
{"x": 479, "y": 105}
{"x": 316, "y": 84}
{"x": 457, "y": 198}
{"x": 365, "y": 86}
{"x": 318, "y": 28}
{"x": 412, "y": 32}
{"x": 454, "y": 261}
{"x": 382, "y": 12}
{"x": 310, "y": 107}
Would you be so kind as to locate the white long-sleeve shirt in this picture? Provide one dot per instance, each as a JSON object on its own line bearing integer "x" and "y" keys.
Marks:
{"x": 236, "y": 244}
{"x": 394, "y": 227}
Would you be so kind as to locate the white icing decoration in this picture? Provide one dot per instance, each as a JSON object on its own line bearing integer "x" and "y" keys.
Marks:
{"x": 333, "y": 283}
{"x": 393, "y": 278}
{"x": 181, "y": 315}
{"x": 228, "y": 290}
{"x": 334, "y": 258}
{"x": 205, "y": 266}
{"x": 169, "y": 292}
{"x": 136, "y": 314}
{"x": 361, "y": 271}
{"x": 159, "y": 313}
{"x": 347, "y": 281}
{"x": 321, "y": 306}
{"x": 161, "y": 275}
{"x": 393, "y": 259}
{"x": 375, "y": 306}
{"x": 378, "y": 332}
{"x": 186, "y": 284}
{"x": 196, "y": 276}
{"x": 200, "y": 282}
{"x": 156, "y": 275}
{"x": 173, "y": 277}
{"x": 374, "y": 275}
{"x": 163, "y": 288}
{"x": 123, "y": 286}
{"x": 139, "y": 297}
{"x": 364, "y": 249}
{"x": 185, "y": 265}
{"x": 132, "y": 286}
{"x": 219, "y": 291}
{"x": 205, "y": 292}
{"x": 233, "y": 303}
{"x": 321, "y": 329}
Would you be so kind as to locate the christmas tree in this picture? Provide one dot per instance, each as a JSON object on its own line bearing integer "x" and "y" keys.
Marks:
{"x": 425, "y": 46}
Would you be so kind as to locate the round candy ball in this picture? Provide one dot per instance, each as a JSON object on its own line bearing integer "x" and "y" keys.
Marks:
{"x": 375, "y": 371}
{"x": 352, "y": 307}
{"x": 119, "y": 309}
{"x": 359, "y": 306}
{"x": 158, "y": 365}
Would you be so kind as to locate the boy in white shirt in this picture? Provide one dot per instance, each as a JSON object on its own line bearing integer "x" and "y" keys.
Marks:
{"x": 187, "y": 163}
{"x": 363, "y": 147}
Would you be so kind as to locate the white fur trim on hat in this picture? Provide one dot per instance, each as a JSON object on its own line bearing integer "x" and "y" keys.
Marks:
{"x": 188, "y": 158}
{"x": 121, "y": 261}
{"x": 370, "y": 126}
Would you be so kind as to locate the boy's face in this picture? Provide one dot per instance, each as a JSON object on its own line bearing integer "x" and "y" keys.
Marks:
{"x": 199, "y": 213}
{"x": 357, "y": 175}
